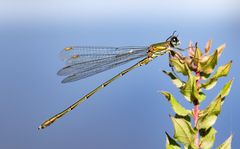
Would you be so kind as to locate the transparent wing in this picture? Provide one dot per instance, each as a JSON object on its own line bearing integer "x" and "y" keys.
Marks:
{"x": 78, "y": 54}
{"x": 82, "y": 62}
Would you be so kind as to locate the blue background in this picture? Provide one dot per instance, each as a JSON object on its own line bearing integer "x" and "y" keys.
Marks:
{"x": 129, "y": 113}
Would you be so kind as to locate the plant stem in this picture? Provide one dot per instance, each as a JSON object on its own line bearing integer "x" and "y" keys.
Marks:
{"x": 196, "y": 109}
{"x": 195, "y": 117}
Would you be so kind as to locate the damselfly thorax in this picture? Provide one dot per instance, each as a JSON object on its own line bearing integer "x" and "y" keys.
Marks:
{"x": 158, "y": 49}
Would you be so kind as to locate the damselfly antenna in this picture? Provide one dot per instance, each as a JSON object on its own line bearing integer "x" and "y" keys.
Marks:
{"x": 171, "y": 36}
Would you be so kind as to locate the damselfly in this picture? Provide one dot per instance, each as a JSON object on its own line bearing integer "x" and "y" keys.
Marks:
{"x": 82, "y": 62}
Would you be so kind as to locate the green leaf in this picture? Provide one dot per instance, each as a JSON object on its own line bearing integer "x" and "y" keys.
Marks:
{"x": 171, "y": 143}
{"x": 198, "y": 53}
{"x": 200, "y": 96}
{"x": 183, "y": 132}
{"x": 221, "y": 72}
{"x": 197, "y": 57}
{"x": 176, "y": 81}
{"x": 175, "y": 105}
{"x": 209, "y": 115}
{"x": 208, "y": 65}
{"x": 189, "y": 147}
{"x": 208, "y": 120}
{"x": 187, "y": 117}
{"x": 226, "y": 89}
{"x": 178, "y": 65}
{"x": 226, "y": 144}
{"x": 207, "y": 138}
{"x": 189, "y": 90}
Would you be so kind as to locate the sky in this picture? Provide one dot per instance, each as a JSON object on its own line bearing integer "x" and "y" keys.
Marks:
{"x": 130, "y": 112}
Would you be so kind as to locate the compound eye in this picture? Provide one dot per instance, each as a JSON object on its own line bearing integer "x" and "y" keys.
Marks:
{"x": 174, "y": 39}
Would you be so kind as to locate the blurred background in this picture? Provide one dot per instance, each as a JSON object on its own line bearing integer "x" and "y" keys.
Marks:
{"x": 130, "y": 113}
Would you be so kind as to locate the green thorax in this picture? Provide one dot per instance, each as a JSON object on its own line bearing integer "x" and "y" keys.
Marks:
{"x": 159, "y": 49}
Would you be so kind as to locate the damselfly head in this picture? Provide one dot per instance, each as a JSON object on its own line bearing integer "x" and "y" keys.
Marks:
{"x": 174, "y": 41}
